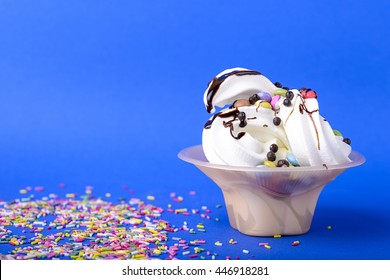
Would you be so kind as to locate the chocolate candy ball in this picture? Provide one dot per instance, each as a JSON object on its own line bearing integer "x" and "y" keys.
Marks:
{"x": 277, "y": 121}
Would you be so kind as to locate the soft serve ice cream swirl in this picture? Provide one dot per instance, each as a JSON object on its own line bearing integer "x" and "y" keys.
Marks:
{"x": 267, "y": 125}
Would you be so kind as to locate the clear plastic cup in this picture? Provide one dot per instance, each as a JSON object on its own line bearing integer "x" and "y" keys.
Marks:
{"x": 269, "y": 201}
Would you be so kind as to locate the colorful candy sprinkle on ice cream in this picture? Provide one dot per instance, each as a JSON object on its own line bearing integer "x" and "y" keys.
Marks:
{"x": 267, "y": 125}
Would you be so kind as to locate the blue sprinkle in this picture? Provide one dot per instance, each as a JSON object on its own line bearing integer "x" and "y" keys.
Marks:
{"x": 262, "y": 166}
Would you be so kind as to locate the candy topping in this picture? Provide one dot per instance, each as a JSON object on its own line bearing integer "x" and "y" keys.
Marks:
{"x": 273, "y": 148}
{"x": 253, "y": 99}
{"x": 271, "y": 156}
{"x": 277, "y": 121}
{"x": 282, "y": 163}
{"x": 308, "y": 93}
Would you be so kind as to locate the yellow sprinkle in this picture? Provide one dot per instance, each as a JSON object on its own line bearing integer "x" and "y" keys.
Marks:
{"x": 150, "y": 197}
{"x": 200, "y": 226}
{"x": 267, "y": 246}
{"x": 218, "y": 243}
{"x": 231, "y": 241}
{"x": 156, "y": 251}
{"x": 329, "y": 227}
{"x": 88, "y": 191}
{"x": 22, "y": 191}
{"x": 277, "y": 235}
{"x": 70, "y": 195}
{"x": 135, "y": 221}
{"x": 108, "y": 194}
{"x": 139, "y": 256}
{"x": 269, "y": 163}
{"x": 95, "y": 256}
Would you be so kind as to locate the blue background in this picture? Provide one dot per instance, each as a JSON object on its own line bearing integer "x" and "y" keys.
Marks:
{"x": 106, "y": 93}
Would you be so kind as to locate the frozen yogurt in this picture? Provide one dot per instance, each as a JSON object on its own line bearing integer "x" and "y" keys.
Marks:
{"x": 266, "y": 125}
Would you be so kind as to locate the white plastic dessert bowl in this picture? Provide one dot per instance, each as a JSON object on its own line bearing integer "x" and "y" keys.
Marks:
{"x": 269, "y": 201}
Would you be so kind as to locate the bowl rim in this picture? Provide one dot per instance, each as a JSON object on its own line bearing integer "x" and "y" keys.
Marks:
{"x": 356, "y": 157}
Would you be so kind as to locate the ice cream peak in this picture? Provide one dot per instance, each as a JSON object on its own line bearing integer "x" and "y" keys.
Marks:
{"x": 267, "y": 125}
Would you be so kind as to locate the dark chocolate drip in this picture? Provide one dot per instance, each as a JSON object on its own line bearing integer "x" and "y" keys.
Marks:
{"x": 303, "y": 108}
{"x": 230, "y": 113}
{"x": 216, "y": 83}
{"x": 229, "y": 124}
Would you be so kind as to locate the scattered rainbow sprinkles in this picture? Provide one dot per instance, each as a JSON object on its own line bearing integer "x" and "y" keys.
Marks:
{"x": 86, "y": 228}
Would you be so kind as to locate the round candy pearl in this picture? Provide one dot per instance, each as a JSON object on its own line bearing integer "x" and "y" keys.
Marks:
{"x": 265, "y": 96}
{"x": 282, "y": 163}
{"x": 271, "y": 156}
{"x": 287, "y": 102}
{"x": 277, "y": 121}
{"x": 253, "y": 99}
{"x": 273, "y": 148}
{"x": 290, "y": 95}
{"x": 347, "y": 140}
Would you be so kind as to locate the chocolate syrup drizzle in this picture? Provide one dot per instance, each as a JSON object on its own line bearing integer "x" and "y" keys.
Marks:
{"x": 231, "y": 113}
{"x": 217, "y": 82}
{"x": 227, "y": 124}
{"x": 303, "y": 108}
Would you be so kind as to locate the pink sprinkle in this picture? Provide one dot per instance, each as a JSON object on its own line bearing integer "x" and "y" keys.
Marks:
{"x": 205, "y": 216}
{"x": 39, "y": 188}
{"x": 173, "y": 194}
{"x": 192, "y": 192}
{"x": 193, "y": 256}
{"x": 263, "y": 243}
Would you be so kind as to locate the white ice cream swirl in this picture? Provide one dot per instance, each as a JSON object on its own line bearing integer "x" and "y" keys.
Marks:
{"x": 247, "y": 133}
